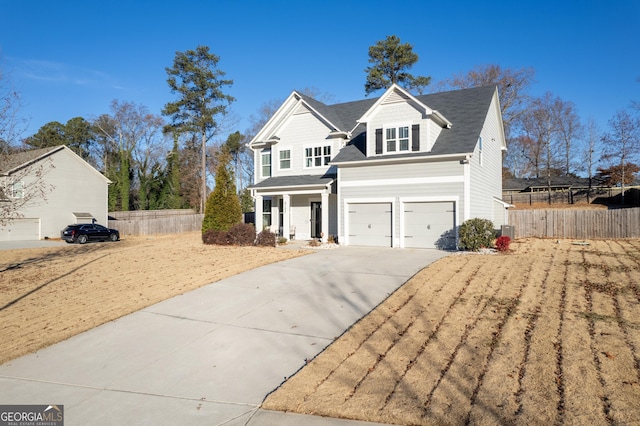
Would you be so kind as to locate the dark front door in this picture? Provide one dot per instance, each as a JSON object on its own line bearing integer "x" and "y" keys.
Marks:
{"x": 316, "y": 219}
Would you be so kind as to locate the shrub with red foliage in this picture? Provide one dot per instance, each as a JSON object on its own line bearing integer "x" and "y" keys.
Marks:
{"x": 502, "y": 243}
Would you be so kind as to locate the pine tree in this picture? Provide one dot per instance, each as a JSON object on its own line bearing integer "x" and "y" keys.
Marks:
{"x": 222, "y": 210}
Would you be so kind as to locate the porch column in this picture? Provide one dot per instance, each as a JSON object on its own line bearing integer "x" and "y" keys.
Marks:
{"x": 325, "y": 216}
{"x": 258, "y": 216}
{"x": 286, "y": 216}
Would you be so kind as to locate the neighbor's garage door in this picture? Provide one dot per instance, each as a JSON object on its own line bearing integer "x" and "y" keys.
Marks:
{"x": 21, "y": 230}
{"x": 370, "y": 224}
{"x": 429, "y": 225}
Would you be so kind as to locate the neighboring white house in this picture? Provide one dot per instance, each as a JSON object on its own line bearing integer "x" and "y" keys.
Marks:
{"x": 74, "y": 192}
{"x": 394, "y": 171}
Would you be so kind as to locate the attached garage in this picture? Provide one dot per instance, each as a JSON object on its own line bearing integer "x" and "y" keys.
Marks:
{"x": 370, "y": 224}
{"x": 20, "y": 230}
{"x": 429, "y": 225}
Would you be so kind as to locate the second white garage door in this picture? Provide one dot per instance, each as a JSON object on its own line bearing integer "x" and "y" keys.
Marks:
{"x": 429, "y": 225}
{"x": 370, "y": 224}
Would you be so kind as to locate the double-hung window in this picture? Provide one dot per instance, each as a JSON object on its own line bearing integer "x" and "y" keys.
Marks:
{"x": 285, "y": 159}
{"x": 266, "y": 164}
{"x": 317, "y": 156}
{"x": 397, "y": 138}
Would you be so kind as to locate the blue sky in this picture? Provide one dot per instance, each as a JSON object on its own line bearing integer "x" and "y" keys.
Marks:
{"x": 72, "y": 58}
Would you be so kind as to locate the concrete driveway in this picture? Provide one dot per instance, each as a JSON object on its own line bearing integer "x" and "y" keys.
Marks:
{"x": 209, "y": 357}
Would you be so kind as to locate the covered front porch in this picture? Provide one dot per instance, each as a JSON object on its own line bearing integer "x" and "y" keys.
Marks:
{"x": 297, "y": 207}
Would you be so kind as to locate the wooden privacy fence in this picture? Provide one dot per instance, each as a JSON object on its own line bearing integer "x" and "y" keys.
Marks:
{"x": 154, "y": 222}
{"x": 576, "y": 224}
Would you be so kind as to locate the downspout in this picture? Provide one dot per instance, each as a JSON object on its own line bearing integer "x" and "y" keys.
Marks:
{"x": 467, "y": 188}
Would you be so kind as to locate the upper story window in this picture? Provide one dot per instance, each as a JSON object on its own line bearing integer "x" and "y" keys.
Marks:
{"x": 285, "y": 159}
{"x": 17, "y": 190}
{"x": 480, "y": 150}
{"x": 266, "y": 164}
{"x": 317, "y": 156}
{"x": 397, "y": 138}
{"x": 393, "y": 139}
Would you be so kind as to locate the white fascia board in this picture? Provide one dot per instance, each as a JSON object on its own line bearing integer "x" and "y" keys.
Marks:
{"x": 441, "y": 119}
{"x": 300, "y": 189}
{"x": 407, "y": 159}
{"x": 496, "y": 102}
{"x": 34, "y": 160}
{"x": 274, "y": 121}
{"x": 87, "y": 165}
{"x": 54, "y": 151}
{"x": 394, "y": 87}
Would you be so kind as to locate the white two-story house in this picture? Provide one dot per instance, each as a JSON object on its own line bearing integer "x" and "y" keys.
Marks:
{"x": 395, "y": 171}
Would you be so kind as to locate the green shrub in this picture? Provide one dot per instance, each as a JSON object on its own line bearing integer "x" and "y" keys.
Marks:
{"x": 266, "y": 238}
{"x": 222, "y": 209}
{"x": 476, "y": 234}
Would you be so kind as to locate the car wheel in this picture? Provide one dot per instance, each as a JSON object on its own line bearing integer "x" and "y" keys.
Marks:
{"x": 113, "y": 237}
{"x": 82, "y": 239}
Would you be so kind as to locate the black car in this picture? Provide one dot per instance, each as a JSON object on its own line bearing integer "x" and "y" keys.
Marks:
{"x": 83, "y": 232}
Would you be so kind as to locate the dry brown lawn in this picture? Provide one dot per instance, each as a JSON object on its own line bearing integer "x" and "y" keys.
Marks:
{"x": 50, "y": 294}
{"x": 546, "y": 334}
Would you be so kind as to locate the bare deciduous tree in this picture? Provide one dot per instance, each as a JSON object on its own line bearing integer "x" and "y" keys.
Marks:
{"x": 22, "y": 183}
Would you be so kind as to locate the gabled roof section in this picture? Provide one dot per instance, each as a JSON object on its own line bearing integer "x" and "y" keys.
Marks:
{"x": 466, "y": 109}
{"x": 20, "y": 160}
{"x": 396, "y": 93}
{"x": 296, "y": 102}
{"x": 14, "y": 162}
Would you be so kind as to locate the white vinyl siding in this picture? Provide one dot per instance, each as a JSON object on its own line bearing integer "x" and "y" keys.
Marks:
{"x": 486, "y": 169}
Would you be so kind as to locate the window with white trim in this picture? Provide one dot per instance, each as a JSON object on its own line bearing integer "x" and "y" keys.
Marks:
{"x": 17, "y": 190}
{"x": 317, "y": 156}
{"x": 480, "y": 150}
{"x": 266, "y": 164}
{"x": 285, "y": 159}
{"x": 397, "y": 139}
{"x": 266, "y": 213}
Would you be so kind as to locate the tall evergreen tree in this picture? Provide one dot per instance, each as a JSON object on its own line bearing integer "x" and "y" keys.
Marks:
{"x": 195, "y": 77}
{"x": 391, "y": 61}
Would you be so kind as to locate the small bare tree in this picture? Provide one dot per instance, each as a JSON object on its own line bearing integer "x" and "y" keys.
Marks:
{"x": 22, "y": 183}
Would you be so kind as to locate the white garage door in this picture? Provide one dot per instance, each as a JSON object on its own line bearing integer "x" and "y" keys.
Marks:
{"x": 21, "y": 230}
{"x": 429, "y": 225}
{"x": 370, "y": 224}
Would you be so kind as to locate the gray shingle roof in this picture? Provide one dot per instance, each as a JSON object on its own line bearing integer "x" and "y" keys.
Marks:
{"x": 12, "y": 161}
{"x": 466, "y": 109}
{"x": 291, "y": 181}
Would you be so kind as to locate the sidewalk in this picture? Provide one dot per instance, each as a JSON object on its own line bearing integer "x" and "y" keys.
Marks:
{"x": 211, "y": 356}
